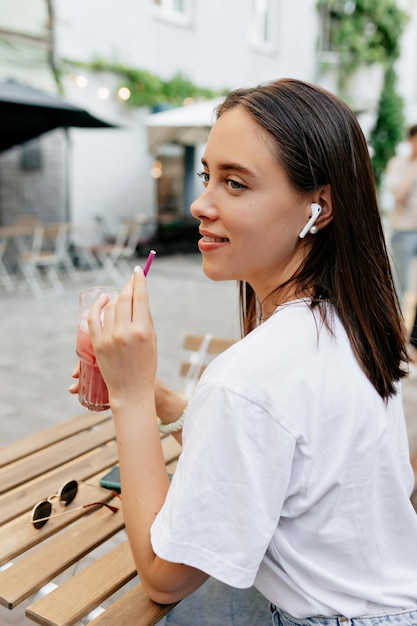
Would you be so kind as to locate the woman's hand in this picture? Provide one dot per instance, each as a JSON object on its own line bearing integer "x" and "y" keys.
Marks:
{"x": 168, "y": 403}
{"x": 75, "y": 374}
{"x": 124, "y": 342}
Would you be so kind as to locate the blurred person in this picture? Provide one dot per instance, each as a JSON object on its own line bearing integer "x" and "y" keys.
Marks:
{"x": 401, "y": 180}
{"x": 294, "y": 475}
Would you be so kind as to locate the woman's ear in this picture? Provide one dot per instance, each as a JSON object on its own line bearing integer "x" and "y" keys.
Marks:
{"x": 324, "y": 199}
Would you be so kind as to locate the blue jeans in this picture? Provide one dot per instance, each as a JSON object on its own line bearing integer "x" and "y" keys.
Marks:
{"x": 216, "y": 604}
{"x": 404, "y": 249}
{"x": 401, "y": 618}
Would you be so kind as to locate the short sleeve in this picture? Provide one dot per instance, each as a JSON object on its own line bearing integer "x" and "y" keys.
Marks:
{"x": 225, "y": 500}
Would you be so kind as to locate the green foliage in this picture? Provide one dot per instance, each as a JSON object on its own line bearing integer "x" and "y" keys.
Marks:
{"x": 389, "y": 127}
{"x": 148, "y": 89}
{"x": 364, "y": 32}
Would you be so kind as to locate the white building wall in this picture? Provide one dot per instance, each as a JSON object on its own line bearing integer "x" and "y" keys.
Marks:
{"x": 213, "y": 49}
{"x": 25, "y": 51}
{"x": 111, "y": 168}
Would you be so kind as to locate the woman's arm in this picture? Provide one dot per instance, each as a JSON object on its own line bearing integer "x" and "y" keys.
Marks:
{"x": 169, "y": 406}
{"x": 125, "y": 347}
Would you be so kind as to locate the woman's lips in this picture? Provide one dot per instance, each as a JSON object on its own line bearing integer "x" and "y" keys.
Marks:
{"x": 210, "y": 243}
{"x": 208, "y": 239}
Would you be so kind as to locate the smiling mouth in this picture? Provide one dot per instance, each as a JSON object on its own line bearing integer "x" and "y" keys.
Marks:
{"x": 215, "y": 239}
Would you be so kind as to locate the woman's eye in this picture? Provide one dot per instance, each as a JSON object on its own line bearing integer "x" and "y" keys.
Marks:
{"x": 205, "y": 177}
{"x": 233, "y": 184}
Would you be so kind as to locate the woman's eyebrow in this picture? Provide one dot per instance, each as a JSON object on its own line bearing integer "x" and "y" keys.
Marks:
{"x": 237, "y": 167}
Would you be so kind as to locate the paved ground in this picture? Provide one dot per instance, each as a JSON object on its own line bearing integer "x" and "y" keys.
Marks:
{"x": 38, "y": 353}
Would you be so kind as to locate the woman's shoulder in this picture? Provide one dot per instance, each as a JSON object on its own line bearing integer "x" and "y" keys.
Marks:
{"x": 285, "y": 348}
{"x": 294, "y": 326}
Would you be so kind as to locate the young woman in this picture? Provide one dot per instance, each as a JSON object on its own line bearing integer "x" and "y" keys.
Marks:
{"x": 294, "y": 474}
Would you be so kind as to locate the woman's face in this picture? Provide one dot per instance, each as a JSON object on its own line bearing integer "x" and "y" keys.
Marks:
{"x": 250, "y": 215}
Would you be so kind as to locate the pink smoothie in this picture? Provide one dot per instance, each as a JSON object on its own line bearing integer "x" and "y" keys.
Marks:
{"x": 92, "y": 388}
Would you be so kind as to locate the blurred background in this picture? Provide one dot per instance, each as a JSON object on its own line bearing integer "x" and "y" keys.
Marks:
{"x": 154, "y": 70}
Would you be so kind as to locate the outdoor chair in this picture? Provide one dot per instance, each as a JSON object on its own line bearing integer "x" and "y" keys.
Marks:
{"x": 201, "y": 350}
{"x": 17, "y": 234}
{"x": 48, "y": 253}
{"x": 116, "y": 259}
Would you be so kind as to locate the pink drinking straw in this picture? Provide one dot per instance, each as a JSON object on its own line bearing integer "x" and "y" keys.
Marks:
{"x": 149, "y": 261}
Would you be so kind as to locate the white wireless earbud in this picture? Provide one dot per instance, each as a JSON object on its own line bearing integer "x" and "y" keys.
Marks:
{"x": 315, "y": 212}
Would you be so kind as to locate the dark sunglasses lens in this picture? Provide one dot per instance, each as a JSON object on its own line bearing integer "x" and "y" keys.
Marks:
{"x": 68, "y": 492}
{"x": 41, "y": 514}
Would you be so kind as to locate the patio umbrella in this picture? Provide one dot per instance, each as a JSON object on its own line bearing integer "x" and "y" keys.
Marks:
{"x": 26, "y": 113}
{"x": 187, "y": 125}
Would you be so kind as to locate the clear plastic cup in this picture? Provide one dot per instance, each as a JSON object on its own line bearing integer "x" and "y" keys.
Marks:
{"x": 92, "y": 391}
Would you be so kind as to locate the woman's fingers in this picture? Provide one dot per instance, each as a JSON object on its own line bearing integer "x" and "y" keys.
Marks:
{"x": 74, "y": 388}
{"x": 75, "y": 374}
{"x": 123, "y": 336}
{"x": 140, "y": 305}
{"x": 123, "y": 310}
{"x": 95, "y": 316}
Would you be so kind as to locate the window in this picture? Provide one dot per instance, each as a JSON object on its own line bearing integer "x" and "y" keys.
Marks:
{"x": 176, "y": 11}
{"x": 329, "y": 22}
{"x": 330, "y": 16}
{"x": 263, "y": 28}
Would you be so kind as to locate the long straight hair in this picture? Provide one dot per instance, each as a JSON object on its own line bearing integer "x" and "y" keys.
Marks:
{"x": 319, "y": 142}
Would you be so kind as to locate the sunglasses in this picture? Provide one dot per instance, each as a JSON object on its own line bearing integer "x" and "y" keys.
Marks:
{"x": 42, "y": 512}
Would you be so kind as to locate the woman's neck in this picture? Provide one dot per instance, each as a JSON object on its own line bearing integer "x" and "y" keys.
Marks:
{"x": 276, "y": 299}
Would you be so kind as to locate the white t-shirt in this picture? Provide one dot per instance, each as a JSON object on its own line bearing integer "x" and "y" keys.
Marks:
{"x": 295, "y": 476}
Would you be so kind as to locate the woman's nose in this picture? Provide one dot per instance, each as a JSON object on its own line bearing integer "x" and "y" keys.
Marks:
{"x": 203, "y": 207}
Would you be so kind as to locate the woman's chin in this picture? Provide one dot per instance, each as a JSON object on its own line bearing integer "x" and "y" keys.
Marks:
{"x": 213, "y": 272}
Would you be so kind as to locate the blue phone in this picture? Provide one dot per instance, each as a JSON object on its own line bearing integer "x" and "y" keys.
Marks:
{"x": 111, "y": 480}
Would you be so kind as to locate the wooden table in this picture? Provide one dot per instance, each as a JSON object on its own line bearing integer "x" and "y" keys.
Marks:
{"x": 34, "y": 561}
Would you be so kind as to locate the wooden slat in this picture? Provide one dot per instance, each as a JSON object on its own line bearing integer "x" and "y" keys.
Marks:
{"x": 79, "y": 595}
{"x": 134, "y": 607}
{"x": 216, "y": 345}
{"x": 185, "y": 368}
{"x": 25, "y": 496}
{"x": 193, "y": 342}
{"x": 52, "y": 557}
{"x": 45, "y": 460}
{"x": 30, "y": 444}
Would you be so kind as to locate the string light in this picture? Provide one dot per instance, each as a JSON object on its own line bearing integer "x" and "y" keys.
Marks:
{"x": 156, "y": 170}
{"x": 124, "y": 93}
{"x": 81, "y": 81}
{"x": 103, "y": 93}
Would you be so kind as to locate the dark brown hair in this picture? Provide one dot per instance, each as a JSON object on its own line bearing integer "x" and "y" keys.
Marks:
{"x": 319, "y": 142}
{"x": 412, "y": 130}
